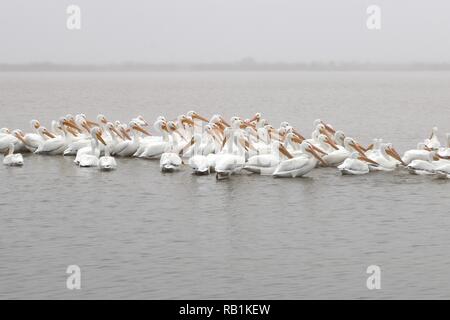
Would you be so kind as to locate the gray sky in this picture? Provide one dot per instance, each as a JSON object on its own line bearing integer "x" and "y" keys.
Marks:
{"x": 158, "y": 31}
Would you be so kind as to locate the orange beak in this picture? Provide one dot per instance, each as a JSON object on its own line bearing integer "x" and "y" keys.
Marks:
{"x": 48, "y": 134}
{"x": 125, "y": 134}
{"x": 284, "y": 151}
{"x": 140, "y": 129}
{"x": 316, "y": 155}
{"x": 331, "y": 143}
{"x": 197, "y": 116}
{"x": 100, "y": 138}
{"x": 224, "y": 122}
{"x": 393, "y": 153}
{"x": 329, "y": 128}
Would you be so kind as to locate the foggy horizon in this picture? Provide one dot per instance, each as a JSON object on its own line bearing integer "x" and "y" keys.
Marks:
{"x": 217, "y": 31}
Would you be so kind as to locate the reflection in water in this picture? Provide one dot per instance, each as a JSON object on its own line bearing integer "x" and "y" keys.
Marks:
{"x": 137, "y": 233}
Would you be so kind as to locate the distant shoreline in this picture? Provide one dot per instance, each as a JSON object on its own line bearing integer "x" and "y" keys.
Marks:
{"x": 238, "y": 66}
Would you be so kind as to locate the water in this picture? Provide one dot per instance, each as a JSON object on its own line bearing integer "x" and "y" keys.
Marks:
{"x": 137, "y": 233}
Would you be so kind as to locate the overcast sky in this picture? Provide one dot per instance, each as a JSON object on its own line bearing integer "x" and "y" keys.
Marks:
{"x": 158, "y": 31}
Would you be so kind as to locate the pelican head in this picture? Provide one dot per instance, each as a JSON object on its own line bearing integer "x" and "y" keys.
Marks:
{"x": 96, "y": 133}
{"x": 135, "y": 126}
{"x": 35, "y": 124}
{"x": 195, "y": 115}
{"x": 102, "y": 119}
{"x": 43, "y": 131}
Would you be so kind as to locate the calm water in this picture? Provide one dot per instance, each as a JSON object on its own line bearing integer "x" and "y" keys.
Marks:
{"x": 137, "y": 233}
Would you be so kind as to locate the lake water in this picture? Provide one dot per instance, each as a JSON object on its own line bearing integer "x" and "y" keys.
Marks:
{"x": 138, "y": 233}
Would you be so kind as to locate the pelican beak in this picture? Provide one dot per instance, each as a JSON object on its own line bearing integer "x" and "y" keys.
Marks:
{"x": 92, "y": 123}
{"x": 369, "y": 147}
{"x": 70, "y": 125}
{"x": 224, "y": 122}
{"x": 393, "y": 153}
{"x": 284, "y": 151}
{"x": 316, "y": 155}
{"x": 125, "y": 135}
{"x": 19, "y": 136}
{"x": 197, "y": 116}
{"x": 100, "y": 138}
{"x": 364, "y": 158}
{"x": 255, "y": 118}
{"x": 140, "y": 129}
{"x": 72, "y": 132}
{"x": 298, "y": 135}
{"x": 358, "y": 148}
{"x": 331, "y": 143}
{"x": 329, "y": 128}
{"x": 49, "y": 134}
{"x": 184, "y": 149}
{"x": 116, "y": 132}
{"x": 188, "y": 121}
{"x": 243, "y": 125}
{"x": 296, "y": 139}
{"x": 224, "y": 142}
{"x": 220, "y": 127}
{"x": 86, "y": 126}
{"x": 318, "y": 150}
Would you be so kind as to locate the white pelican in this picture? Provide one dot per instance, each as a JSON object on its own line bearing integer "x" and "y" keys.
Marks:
{"x": 443, "y": 171}
{"x": 6, "y": 140}
{"x": 127, "y": 148}
{"x": 141, "y": 121}
{"x": 387, "y": 158}
{"x": 198, "y": 162}
{"x": 337, "y": 157}
{"x": 354, "y": 165}
{"x": 266, "y": 164}
{"x": 418, "y": 154}
{"x": 445, "y": 151}
{"x": 421, "y": 167}
{"x": 170, "y": 160}
{"x": 230, "y": 162}
{"x": 153, "y": 149}
{"x": 4, "y": 132}
{"x": 12, "y": 159}
{"x": 299, "y": 166}
{"x": 107, "y": 163}
{"x": 53, "y": 146}
{"x": 433, "y": 143}
{"x": 91, "y": 159}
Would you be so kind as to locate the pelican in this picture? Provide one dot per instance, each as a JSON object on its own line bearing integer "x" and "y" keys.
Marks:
{"x": 153, "y": 149}
{"x": 229, "y": 162}
{"x": 127, "y": 148}
{"x": 107, "y": 163}
{"x": 433, "y": 143}
{"x": 418, "y": 154}
{"x": 12, "y": 159}
{"x": 443, "y": 171}
{"x": 53, "y": 146}
{"x": 91, "y": 159}
{"x": 421, "y": 167}
{"x": 445, "y": 151}
{"x": 354, "y": 165}
{"x": 198, "y": 162}
{"x": 299, "y": 166}
{"x": 266, "y": 164}
{"x": 170, "y": 160}
{"x": 387, "y": 158}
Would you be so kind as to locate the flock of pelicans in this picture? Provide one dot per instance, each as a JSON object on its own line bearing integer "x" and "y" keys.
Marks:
{"x": 218, "y": 145}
